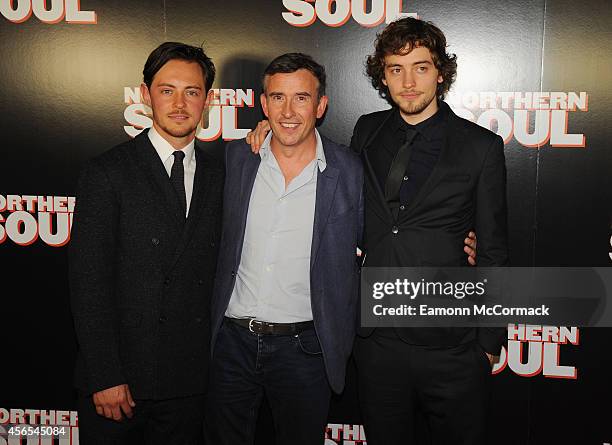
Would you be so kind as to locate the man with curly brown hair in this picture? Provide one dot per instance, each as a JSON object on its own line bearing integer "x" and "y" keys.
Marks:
{"x": 430, "y": 177}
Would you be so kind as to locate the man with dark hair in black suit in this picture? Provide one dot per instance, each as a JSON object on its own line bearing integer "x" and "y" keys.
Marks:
{"x": 142, "y": 263}
{"x": 430, "y": 177}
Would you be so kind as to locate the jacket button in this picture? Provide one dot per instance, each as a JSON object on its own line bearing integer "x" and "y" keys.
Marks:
{"x": 233, "y": 274}
{"x": 212, "y": 244}
{"x": 394, "y": 230}
{"x": 155, "y": 241}
{"x": 167, "y": 281}
{"x": 198, "y": 320}
{"x": 402, "y": 207}
{"x": 200, "y": 282}
{"x": 163, "y": 319}
{"x": 406, "y": 178}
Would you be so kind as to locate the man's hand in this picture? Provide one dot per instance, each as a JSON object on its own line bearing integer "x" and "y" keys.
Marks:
{"x": 111, "y": 401}
{"x": 470, "y": 248}
{"x": 256, "y": 137}
{"x": 492, "y": 358}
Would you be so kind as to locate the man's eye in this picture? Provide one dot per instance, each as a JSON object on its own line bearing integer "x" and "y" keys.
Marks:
{"x": 421, "y": 69}
{"x": 193, "y": 93}
{"x": 166, "y": 91}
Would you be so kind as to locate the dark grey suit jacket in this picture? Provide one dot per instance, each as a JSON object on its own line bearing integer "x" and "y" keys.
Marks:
{"x": 334, "y": 273}
{"x": 141, "y": 277}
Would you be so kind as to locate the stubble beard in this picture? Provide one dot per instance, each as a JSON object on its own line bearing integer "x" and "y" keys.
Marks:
{"x": 412, "y": 108}
{"x": 178, "y": 132}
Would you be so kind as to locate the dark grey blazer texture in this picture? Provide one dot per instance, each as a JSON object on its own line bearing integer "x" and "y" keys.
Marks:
{"x": 334, "y": 273}
{"x": 141, "y": 276}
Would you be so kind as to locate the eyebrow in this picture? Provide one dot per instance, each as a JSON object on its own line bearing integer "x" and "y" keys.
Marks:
{"x": 193, "y": 87}
{"x": 419, "y": 62}
{"x": 299, "y": 93}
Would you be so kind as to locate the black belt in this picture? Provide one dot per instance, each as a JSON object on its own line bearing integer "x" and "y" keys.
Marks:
{"x": 266, "y": 328}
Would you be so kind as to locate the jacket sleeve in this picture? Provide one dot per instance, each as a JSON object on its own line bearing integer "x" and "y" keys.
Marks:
{"x": 491, "y": 228}
{"x": 491, "y": 213}
{"x": 92, "y": 278}
{"x": 356, "y": 141}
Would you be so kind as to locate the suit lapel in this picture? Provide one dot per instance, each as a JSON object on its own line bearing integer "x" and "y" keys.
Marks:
{"x": 377, "y": 194}
{"x": 157, "y": 175}
{"x": 446, "y": 160}
{"x": 327, "y": 181}
{"x": 204, "y": 176}
{"x": 247, "y": 180}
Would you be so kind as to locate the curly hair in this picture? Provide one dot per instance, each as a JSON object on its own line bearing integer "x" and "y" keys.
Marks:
{"x": 401, "y": 37}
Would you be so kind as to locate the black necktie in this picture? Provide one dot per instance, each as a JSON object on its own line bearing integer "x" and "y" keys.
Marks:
{"x": 398, "y": 168}
{"x": 177, "y": 178}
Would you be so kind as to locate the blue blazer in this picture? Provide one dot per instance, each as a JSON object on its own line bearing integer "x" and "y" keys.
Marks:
{"x": 334, "y": 272}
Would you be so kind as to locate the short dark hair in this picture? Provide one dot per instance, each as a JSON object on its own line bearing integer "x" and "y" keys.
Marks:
{"x": 290, "y": 63}
{"x": 401, "y": 37}
{"x": 178, "y": 51}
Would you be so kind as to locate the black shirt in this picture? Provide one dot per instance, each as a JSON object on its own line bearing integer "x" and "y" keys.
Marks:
{"x": 428, "y": 139}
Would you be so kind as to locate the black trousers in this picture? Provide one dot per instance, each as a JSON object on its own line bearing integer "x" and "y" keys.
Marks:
{"x": 155, "y": 422}
{"x": 288, "y": 369}
{"x": 406, "y": 388}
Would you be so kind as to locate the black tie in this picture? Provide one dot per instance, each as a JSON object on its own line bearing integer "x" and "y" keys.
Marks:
{"x": 398, "y": 168}
{"x": 177, "y": 178}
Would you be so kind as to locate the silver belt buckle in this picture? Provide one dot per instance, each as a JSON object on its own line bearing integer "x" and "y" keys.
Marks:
{"x": 251, "y": 325}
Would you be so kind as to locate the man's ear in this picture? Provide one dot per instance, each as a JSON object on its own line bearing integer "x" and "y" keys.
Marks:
{"x": 145, "y": 96}
{"x": 210, "y": 96}
{"x": 264, "y": 103}
{"x": 321, "y": 106}
{"x": 440, "y": 79}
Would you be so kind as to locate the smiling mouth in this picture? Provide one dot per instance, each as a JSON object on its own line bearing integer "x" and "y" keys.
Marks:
{"x": 288, "y": 125}
{"x": 180, "y": 117}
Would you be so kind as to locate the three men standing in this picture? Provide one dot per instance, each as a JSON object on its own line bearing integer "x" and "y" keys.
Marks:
{"x": 283, "y": 315}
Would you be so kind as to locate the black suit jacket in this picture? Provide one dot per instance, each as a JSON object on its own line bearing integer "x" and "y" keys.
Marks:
{"x": 141, "y": 277}
{"x": 465, "y": 191}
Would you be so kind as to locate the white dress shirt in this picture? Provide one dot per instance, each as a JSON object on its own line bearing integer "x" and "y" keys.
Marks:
{"x": 165, "y": 150}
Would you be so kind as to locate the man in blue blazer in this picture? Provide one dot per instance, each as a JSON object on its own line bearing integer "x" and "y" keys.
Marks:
{"x": 286, "y": 291}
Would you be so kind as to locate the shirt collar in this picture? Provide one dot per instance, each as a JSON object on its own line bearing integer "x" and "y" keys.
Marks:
{"x": 429, "y": 127}
{"x": 165, "y": 150}
{"x": 266, "y": 151}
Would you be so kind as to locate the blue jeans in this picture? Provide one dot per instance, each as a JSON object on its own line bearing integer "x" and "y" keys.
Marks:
{"x": 288, "y": 369}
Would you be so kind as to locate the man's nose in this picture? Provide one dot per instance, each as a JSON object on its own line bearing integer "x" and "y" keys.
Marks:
{"x": 179, "y": 101}
{"x": 408, "y": 80}
{"x": 287, "y": 109}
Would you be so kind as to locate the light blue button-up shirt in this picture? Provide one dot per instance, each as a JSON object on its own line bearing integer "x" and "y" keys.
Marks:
{"x": 273, "y": 278}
